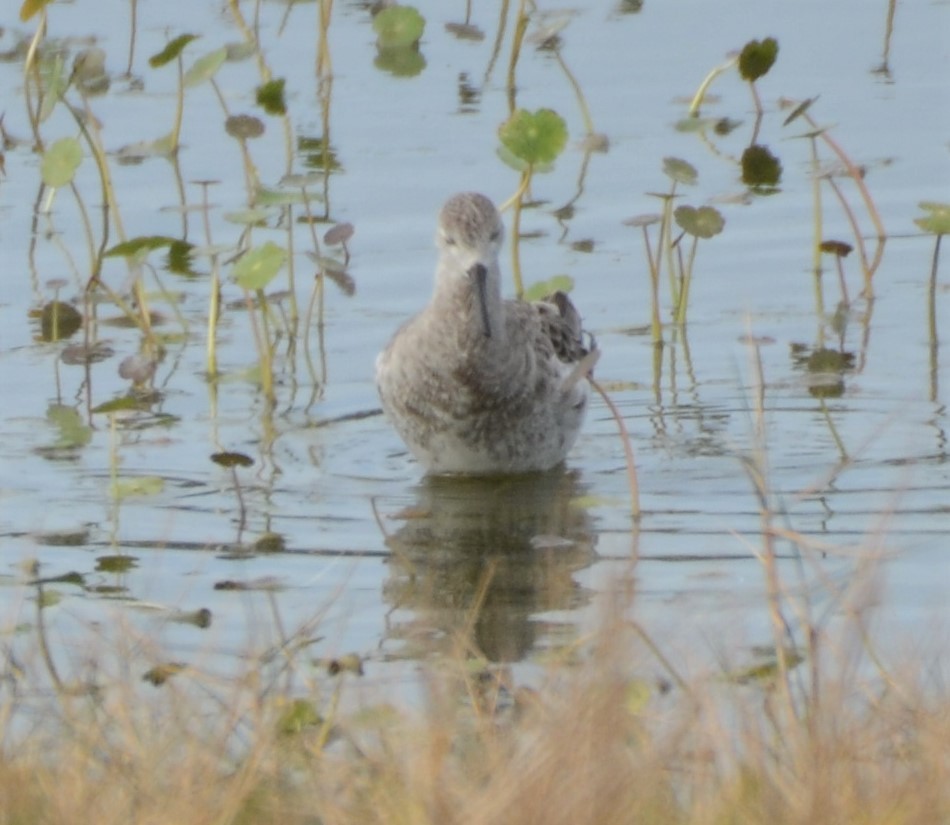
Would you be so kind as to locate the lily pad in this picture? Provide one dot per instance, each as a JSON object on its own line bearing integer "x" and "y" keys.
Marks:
{"x": 937, "y": 221}
{"x": 704, "y": 222}
{"x": 60, "y": 162}
{"x": 757, "y": 57}
{"x": 397, "y": 27}
{"x": 139, "y": 486}
{"x": 59, "y": 320}
{"x": 680, "y": 171}
{"x": 270, "y": 97}
{"x": 534, "y": 137}
{"x": 257, "y": 268}
{"x": 760, "y": 168}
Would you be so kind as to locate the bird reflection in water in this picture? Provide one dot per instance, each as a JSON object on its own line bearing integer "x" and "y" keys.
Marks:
{"x": 483, "y": 557}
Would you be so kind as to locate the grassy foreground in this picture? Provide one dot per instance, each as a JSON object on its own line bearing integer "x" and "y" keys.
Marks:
{"x": 593, "y": 744}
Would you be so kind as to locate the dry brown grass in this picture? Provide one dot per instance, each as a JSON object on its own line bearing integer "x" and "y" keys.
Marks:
{"x": 592, "y": 745}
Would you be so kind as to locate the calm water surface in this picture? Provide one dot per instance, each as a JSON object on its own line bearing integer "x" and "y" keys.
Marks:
{"x": 387, "y": 563}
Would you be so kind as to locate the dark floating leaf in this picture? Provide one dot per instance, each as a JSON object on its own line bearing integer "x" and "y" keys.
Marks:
{"x": 244, "y": 127}
{"x": 116, "y": 564}
{"x": 160, "y": 674}
{"x": 270, "y": 543}
{"x": 680, "y": 171}
{"x": 705, "y": 222}
{"x": 59, "y": 320}
{"x": 232, "y": 459}
{"x": 171, "y": 51}
{"x": 398, "y": 27}
{"x": 270, "y": 97}
{"x": 839, "y": 248}
{"x": 760, "y": 168}
{"x": 757, "y": 57}
{"x": 316, "y": 153}
{"x": 536, "y": 138}
{"x": 143, "y": 243}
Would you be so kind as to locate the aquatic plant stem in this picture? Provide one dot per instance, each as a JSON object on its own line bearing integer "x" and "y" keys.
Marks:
{"x": 656, "y": 327}
{"x": 632, "y": 482}
{"x": 700, "y": 95}
{"x": 517, "y": 39}
{"x": 817, "y": 224}
{"x": 515, "y": 202}
{"x": 686, "y": 277}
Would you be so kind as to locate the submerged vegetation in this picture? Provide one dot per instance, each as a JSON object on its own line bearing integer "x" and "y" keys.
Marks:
{"x": 538, "y": 691}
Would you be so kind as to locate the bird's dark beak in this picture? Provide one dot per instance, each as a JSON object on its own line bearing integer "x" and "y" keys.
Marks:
{"x": 479, "y": 274}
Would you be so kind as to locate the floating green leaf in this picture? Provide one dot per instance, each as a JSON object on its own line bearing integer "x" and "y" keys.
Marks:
{"x": 135, "y": 246}
{"x": 232, "y": 459}
{"x": 116, "y": 563}
{"x": 704, "y": 222}
{"x": 542, "y": 289}
{"x": 140, "y": 486}
{"x": 244, "y": 127}
{"x": 125, "y": 403}
{"x": 257, "y": 268}
{"x": 757, "y": 57}
{"x": 270, "y": 97}
{"x": 59, "y": 320}
{"x": 937, "y": 221}
{"x": 72, "y": 431}
{"x": 171, "y": 51}
{"x": 398, "y": 27}
{"x": 534, "y": 137}
{"x": 760, "y": 168}
{"x": 680, "y": 171}
{"x": 60, "y": 162}
{"x": 204, "y": 68}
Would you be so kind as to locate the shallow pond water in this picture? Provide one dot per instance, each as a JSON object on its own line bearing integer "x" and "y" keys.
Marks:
{"x": 388, "y": 564}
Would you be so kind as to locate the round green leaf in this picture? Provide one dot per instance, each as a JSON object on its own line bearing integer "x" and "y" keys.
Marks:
{"x": 760, "y": 168}
{"x": 757, "y": 58}
{"x": 397, "y": 27}
{"x": 937, "y": 219}
{"x": 60, "y": 162}
{"x": 257, "y": 268}
{"x": 704, "y": 222}
{"x": 534, "y": 137}
{"x": 680, "y": 171}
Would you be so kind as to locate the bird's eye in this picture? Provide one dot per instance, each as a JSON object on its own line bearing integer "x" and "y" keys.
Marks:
{"x": 496, "y": 235}
{"x": 449, "y": 240}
